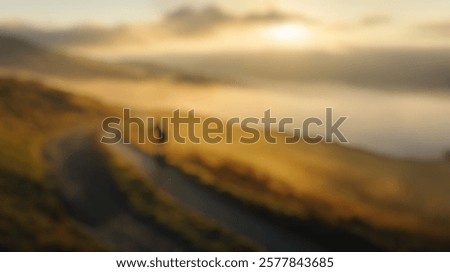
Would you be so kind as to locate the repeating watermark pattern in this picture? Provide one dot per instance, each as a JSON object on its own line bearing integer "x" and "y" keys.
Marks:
{"x": 214, "y": 130}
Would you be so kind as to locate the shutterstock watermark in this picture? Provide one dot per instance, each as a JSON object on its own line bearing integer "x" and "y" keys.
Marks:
{"x": 183, "y": 127}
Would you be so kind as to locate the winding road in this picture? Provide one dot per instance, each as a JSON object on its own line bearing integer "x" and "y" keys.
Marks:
{"x": 88, "y": 191}
{"x": 223, "y": 209}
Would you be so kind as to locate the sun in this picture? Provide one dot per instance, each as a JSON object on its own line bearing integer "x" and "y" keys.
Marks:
{"x": 287, "y": 33}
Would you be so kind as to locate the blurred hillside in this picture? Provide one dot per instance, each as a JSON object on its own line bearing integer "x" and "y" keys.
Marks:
{"x": 36, "y": 214}
{"x": 16, "y": 54}
{"x": 32, "y": 217}
{"x": 64, "y": 191}
{"x": 19, "y": 57}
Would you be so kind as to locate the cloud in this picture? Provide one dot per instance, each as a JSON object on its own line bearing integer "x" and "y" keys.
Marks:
{"x": 383, "y": 68}
{"x": 278, "y": 16}
{"x": 181, "y": 23}
{"x": 436, "y": 29}
{"x": 187, "y": 20}
{"x": 375, "y": 20}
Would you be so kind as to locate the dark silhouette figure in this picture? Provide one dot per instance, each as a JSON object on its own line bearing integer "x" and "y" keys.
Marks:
{"x": 160, "y": 135}
{"x": 447, "y": 155}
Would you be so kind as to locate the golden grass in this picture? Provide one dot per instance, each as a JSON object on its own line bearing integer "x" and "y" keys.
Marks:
{"x": 395, "y": 204}
{"x": 150, "y": 202}
{"x": 32, "y": 218}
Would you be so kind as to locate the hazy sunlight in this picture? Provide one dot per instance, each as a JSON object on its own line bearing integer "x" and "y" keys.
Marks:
{"x": 287, "y": 33}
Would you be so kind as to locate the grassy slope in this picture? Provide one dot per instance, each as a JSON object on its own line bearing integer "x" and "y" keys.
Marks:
{"x": 155, "y": 205}
{"x": 395, "y": 204}
{"x": 31, "y": 216}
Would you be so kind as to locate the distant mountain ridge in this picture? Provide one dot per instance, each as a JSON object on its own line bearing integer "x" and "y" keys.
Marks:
{"x": 17, "y": 55}
{"x": 393, "y": 68}
{"x": 21, "y": 55}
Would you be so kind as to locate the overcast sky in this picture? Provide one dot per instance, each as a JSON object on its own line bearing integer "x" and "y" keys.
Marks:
{"x": 115, "y": 11}
{"x": 113, "y": 28}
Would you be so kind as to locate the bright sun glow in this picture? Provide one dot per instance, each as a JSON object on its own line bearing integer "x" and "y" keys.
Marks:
{"x": 287, "y": 33}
